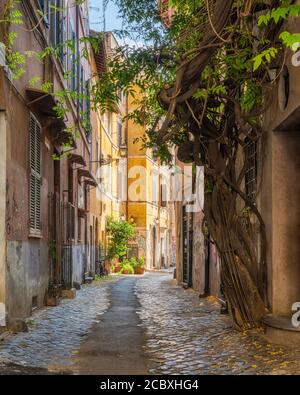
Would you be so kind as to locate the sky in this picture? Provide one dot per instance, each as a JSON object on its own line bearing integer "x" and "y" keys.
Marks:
{"x": 112, "y": 20}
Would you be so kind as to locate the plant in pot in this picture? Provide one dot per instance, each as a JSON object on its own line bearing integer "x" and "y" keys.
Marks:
{"x": 119, "y": 234}
{"x": 127, "y": 267}
{"x": 139, "y": 267}
{"x": 52, "y": 295}
{"x": 116, "y": 266}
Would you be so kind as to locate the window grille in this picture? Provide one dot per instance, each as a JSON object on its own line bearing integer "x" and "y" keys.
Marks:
{"x": 45, "y": 6}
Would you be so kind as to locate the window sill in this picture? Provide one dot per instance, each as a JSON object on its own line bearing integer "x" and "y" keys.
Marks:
{"x": 35, "y": 235}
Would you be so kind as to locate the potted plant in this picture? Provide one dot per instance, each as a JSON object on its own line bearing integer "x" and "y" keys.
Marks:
{"x": 51, "y": 296}
{"x": 119, "y": 234}
{"x": 127, "y": 267}
{"x": 116, "y": 266}
{"x": 139, "y": 267}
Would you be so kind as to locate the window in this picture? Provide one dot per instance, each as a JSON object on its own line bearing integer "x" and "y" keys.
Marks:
{"x": 35, "y": 176}
{"x": 163, "y": 195}
{"x": 73, "y": 59}
{"x": 45, "y": 8}
{"x": 109, "y": 123}
{"x": 120, "y": 133}
{"x": 251, "y": 170}
{"x": 155, "y": 186}
{"x": 97, "y": 156}
{"x": 79, "y": 229}
{"x": 82, "y": 90}
{"x": 81, "y": 199}
{"x": 85, "y": 16}
{"x": 84, "y": 102}
{"x": 59, "y": 28}
{"x": 87, "y": 107}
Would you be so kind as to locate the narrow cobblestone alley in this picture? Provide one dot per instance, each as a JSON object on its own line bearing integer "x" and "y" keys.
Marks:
{"x": 145, "y": 324}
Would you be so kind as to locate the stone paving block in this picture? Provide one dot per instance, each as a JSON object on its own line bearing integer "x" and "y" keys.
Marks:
{"x": 57, "y": 331}
{"x": 202, "y": 339}
{"x": 183, "y": 335}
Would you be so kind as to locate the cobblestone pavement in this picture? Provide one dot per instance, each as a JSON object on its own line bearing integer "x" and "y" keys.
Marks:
{"x": 187, "y": 335}
{"x": 55, "y": 333}
{"x": 182, "y": 334}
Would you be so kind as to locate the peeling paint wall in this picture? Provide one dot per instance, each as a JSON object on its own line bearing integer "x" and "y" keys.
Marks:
{"x": 79, "y": 252}
{"x": 27, "y": 276}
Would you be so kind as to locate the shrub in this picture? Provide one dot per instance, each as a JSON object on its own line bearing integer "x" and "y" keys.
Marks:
{"x": 140, "y": 263}
{"x": 127, "y": 268}
{"x": 133, "y": 262}
{"x": 120, "y": 232}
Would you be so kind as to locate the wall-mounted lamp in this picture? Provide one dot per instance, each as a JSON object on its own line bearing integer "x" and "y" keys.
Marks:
{"x": 107, "y": 161}
{"x": 132, "y": 220}
{"x": 123, "y": 150}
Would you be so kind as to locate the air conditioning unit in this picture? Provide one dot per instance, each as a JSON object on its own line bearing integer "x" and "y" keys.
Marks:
{"x": 2, "y": 55}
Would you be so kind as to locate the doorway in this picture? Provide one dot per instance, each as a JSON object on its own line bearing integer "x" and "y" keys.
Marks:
{"x": 187, "y": 248}
{"x": 153, "y": 251}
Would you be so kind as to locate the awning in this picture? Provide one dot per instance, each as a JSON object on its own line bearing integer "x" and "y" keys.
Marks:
{"x": 76, "y": 158}
{"x": 92, "y": 183}
{"x": 89, "y": 178}
{"x": 42, "y": 102}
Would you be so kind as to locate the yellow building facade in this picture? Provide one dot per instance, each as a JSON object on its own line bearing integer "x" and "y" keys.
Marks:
{"x": 108, "y": 167}
{"x": 131, "y": 183}
{"x": 149, "y": 206}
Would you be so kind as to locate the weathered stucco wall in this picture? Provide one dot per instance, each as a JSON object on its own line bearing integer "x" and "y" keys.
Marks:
{"x": 27, "y": 276}
{"x": 198, "y": 255}
{"x": 2, "y": 219}
{"x": 79, "y": 262}
{"x": 280, "y": 195}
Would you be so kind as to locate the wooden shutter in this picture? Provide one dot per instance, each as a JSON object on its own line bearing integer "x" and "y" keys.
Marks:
{"x": 35, "y": 176}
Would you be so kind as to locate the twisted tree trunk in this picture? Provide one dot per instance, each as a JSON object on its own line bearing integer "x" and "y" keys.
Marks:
{"x": 218, "y": 140}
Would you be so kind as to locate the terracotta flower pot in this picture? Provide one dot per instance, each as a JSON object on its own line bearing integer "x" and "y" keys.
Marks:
{"x": 117, "y": 269}
{"x": 126, "y": 272}
{"x": 51, "y": 301}
{"x": 139, "y": 270}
